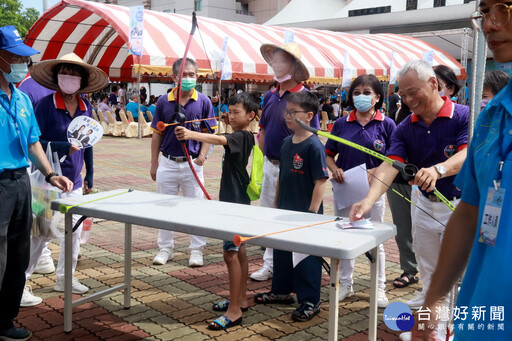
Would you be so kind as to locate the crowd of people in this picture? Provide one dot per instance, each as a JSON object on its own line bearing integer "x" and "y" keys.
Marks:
{"x": 424, "y": 126}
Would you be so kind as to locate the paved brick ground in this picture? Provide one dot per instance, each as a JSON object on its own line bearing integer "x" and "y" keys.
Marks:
{"x": 173, "y": 302}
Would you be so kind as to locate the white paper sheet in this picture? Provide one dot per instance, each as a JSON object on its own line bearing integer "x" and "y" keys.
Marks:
{"x": 353, "y": 189}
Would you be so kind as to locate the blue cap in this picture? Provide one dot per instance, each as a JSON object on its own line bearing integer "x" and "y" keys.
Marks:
{"x": 10, "y": 40}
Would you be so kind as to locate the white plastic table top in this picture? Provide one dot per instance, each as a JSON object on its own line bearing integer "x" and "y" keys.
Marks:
{"x": 223, "y": 220}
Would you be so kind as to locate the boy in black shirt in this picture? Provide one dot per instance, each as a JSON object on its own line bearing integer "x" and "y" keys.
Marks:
{"x": 233, "y": 188}
{"x": 302, "y": 178}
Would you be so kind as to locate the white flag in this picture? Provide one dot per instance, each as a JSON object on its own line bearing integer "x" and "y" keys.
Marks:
{"x": 392, "y": 69}
{"x": 347, "y": 71}
{"x": 288, "y": 37}
{"x": 136, "y": 29}
{"x": 428, "y": 56}
{"x": 226, "y": 72}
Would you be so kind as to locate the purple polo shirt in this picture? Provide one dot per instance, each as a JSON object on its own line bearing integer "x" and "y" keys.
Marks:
{"x": 198, "y": 107}
{"x": 53, "y": 119}
{"x": 272, "y": 120}
{"x": 375, "y": 135}
{"x": 427, "y": 146}
{"x": 34, "y": 90}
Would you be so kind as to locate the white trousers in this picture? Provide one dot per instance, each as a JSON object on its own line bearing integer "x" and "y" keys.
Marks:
{"x": 347, "y": 265}
{"x": 39, "y": 245}
{"x": 170, "y": 177}
{"x": 427, "y": 234}
{"x": 267, "y": 196}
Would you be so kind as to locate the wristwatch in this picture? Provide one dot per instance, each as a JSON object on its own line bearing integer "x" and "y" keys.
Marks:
{"x": 49, "y": 176}
{"x": 441, "y": 170}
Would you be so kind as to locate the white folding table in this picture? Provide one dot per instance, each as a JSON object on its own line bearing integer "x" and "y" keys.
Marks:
{"x": 223, "y": 220}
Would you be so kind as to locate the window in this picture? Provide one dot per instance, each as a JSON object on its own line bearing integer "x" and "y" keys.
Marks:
{"x": 411, "y": 5}
{"x": 468, "y": 1}
{"x": 439, "y": 3}
{"x": 198, "y": 5}
{"x": 369, "y": 11}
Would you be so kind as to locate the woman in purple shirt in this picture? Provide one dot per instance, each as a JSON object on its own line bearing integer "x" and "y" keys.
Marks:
{"x": 366, "y": 126}
{"x": 70, "y": 76}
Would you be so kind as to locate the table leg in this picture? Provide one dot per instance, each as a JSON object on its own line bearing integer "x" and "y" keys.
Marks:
{"x": 127, "y": 264}
{"x": 68, "y": 251}
{"x": 334, "y": 291}
{"x": 372, "y": 329}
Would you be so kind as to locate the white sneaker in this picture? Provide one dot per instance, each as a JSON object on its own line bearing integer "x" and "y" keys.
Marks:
{"x": 345, "y": 291}
{"x": 77, "y": 287}
{"x": 382, "y": 300}
{"x": 163, "y": 256}
{"x": 196, "y": 258}
{"x": 28, "y": 299}
{"x": 262, "y": 274}
{"x": 417, "y": 301}
{"x": 45, "y": 266}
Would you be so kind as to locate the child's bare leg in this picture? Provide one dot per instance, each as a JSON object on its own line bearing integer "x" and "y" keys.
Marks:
{"x": 234, "y": 311}
{"x": 244, "y": 267}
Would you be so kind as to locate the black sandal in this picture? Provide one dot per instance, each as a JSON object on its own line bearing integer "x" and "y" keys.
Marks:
{"x": 411, "y": 279}
{"x": 224, "y": 305}
{"x": 269, "y": 298}
{"x": 306, "y": 312}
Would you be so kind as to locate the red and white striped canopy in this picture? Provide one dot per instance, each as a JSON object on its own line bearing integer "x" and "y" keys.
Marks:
{"x": 99, "y": 33}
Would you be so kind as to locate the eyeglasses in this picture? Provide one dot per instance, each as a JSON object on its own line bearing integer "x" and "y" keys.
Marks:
{"x": 499, "y": 14}
{"x": 366, "y": 93}
{"x": 292, "y": 113}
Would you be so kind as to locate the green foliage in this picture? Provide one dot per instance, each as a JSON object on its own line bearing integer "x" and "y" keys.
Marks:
{"x": 13, "y": 13}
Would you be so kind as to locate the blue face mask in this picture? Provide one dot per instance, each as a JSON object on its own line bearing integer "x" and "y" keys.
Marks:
{"x": 17, "y": 74}
{"x": 363, "y": 103}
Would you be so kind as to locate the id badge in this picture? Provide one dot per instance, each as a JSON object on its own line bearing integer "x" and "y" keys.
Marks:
{"x": 491, "y": 216}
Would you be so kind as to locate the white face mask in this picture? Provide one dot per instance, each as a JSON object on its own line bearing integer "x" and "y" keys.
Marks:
{"x": 69, "y": 84}
{"x": 441, "y": 93}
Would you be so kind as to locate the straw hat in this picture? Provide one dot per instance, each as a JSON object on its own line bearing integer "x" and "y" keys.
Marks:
{"x": 267, "y": 51}
{"x": 42, "y": 73}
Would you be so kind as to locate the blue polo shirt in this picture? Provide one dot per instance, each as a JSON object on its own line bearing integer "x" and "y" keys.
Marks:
{"x": 199, "y": 106}
{"x": 54, "y": 119}
{"x": 493, "y": 127}
{"x": 34, "y": 90}
{"x": 375, "y": 135}
{"x": 16, "y": 111}
{"x": 425, "y": 146}
{"x": 134, "y": 109}
{"x": 272, "y": 120}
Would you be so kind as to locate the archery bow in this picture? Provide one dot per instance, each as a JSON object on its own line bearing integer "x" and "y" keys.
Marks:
{"x": 408, "y": 171}
{"x": 179, "y": 117}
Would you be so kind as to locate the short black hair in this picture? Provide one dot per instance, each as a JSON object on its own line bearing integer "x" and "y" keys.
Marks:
{"x": 496, "y": 80}
{"x": 371, "y": 81}
{"x": 84, "y": 74}
{"x": 305, "y": 99}
{"x": 250, "y": 101}
{"x": 177, "y": 65}
{"x": 448, "y": 76}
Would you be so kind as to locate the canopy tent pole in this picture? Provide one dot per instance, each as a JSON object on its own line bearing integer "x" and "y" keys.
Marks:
{"x": 138, "y": 107}
{"x": 477, "y": 76}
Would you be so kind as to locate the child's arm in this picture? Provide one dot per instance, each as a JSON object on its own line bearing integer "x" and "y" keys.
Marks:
{"x": 276, "y": 197}
{"x": 318, "y": 194}
{"x": 183, "y": 133}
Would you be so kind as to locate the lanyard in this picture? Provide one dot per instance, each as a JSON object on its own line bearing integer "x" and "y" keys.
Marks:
{"x": 502, "y": 155}
{"x": 21, "y": 137}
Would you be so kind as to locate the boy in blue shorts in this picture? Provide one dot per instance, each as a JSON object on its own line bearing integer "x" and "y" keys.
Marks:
{"x": 233, "y": 188}
{"x": 302, "y": 179}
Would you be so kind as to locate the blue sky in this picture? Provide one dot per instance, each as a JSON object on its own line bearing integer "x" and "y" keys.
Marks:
{"x": 38, "y": 4}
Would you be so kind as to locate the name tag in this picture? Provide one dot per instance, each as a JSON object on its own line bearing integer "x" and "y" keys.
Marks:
{"x": 491, "y": 216}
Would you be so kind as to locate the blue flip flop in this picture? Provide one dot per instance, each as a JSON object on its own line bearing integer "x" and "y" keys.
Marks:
{"x": 223, "y": 323}
{"x": 223, "y": 306}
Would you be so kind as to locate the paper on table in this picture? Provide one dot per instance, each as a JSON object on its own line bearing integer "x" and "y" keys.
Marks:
{"x": 353, "y": 189}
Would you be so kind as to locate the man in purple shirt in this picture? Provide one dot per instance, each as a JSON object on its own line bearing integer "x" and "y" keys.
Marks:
{"x": 34, "y": 90}
{"x": 434, "y": 138}
{"x": 289, "y": 73}
{"x": 171, "y": 170}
